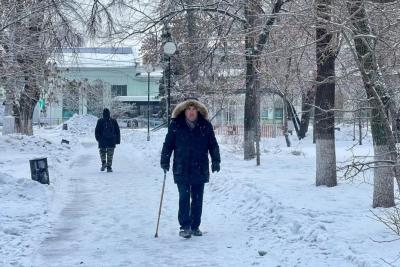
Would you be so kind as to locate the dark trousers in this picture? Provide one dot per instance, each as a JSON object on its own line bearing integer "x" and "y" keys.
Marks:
{"x": 106, "y": 156}
{"x": 189, "y": 214}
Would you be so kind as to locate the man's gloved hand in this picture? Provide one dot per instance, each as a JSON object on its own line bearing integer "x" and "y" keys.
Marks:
{"x": 165, "y": 166}
{"x": 215, "y": 167}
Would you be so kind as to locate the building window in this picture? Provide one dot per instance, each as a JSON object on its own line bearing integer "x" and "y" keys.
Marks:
{"x": 278, "y": 114}
{"x": 119, "y": 90}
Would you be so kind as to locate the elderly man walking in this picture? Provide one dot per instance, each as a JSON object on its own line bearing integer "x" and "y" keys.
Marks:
{"x": 191, "y": 137}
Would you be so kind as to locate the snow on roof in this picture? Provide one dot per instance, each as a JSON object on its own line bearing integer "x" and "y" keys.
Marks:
{"x": 99, "y": 50}
{"x": 136, "y": 98}
{"x": 98, "y": 57}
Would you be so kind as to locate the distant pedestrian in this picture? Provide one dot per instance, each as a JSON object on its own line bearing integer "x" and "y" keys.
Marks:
{"x": 191, "y": 137}
{"x": 107, "y": 135}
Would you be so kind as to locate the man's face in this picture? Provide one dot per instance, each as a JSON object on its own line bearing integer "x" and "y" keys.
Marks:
{"x": 191, "y": 113}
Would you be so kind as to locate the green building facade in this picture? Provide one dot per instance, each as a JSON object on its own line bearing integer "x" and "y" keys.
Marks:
{"x": 97, "y": 78}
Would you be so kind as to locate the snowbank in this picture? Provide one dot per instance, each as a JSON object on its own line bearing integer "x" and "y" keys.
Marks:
{"x": 23, "y": 216}
{"x": 24, "y": 203}
{"x": 80, "y": 124}
{"x": 296, "y": 223}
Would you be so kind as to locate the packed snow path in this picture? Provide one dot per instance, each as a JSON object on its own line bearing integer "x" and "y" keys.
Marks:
{"x": 109, "y": 219}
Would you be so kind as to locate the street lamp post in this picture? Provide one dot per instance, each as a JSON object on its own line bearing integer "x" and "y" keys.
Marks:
{"x": 169, "y": 50}
{"x": 148, "y": 69}
{"x": 169, "y": 91}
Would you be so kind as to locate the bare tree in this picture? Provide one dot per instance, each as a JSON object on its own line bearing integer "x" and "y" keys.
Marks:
{"x": 37, "y": 30}
{"x": 257, "y": 25}
{"x": 377, "y": 93}
{"x": 325, "y": 97}
{"x": 77, "y": 95}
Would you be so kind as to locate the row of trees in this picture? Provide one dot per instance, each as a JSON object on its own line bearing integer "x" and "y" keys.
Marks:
{"x": 293, "y": 48}
{"x": 296, "y": 49}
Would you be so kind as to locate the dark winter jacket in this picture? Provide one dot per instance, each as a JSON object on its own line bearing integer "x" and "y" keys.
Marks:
{"x": 190, "y": 146}
{"x": 107, "y": 131}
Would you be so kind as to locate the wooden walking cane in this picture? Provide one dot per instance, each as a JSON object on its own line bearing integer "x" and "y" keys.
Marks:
{"x": 162, "y": 195}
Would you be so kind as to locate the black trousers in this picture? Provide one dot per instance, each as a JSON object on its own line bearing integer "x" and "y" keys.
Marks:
{"x": 189, "y": 215}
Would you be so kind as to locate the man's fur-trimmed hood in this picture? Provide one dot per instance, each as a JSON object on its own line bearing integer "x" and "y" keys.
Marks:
{"x": 181, "y": 107}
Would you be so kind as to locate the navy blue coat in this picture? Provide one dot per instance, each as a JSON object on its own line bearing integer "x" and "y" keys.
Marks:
{"x": 107, "y": 142}
{"x": 191, "y": 148}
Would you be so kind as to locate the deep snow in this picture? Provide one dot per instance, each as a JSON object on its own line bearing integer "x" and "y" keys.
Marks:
{"x": 89, "y": 218}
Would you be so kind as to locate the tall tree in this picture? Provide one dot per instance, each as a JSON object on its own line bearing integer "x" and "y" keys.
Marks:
{"x": 193, "y": 41}
{"x": 252, "y": 12}
{"x": 325, "y": 97}
{"x": 307, "y": 106}
{"x": 257, "y": 24}
{"x": 378, "y": 97}
{"x": 39, "y": 28}
{"x": 255, "y": 43}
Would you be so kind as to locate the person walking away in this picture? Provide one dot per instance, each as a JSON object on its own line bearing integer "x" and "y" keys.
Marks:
{"x": 108, "y": 135}
{"x": 191, "y": 137}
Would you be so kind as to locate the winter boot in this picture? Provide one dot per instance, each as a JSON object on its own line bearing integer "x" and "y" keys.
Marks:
{"x": 185, "y": 233}
{"x": 197, "y": 232}
{"x": 103, "y": 166}
{"x": 109, "y": 169}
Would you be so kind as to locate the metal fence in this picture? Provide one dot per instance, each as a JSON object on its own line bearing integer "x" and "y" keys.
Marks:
{"x": 267, "y": 130}
{"x": 138, "y": 123}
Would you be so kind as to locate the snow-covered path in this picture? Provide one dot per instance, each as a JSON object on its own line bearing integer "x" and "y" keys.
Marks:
{"x": 109, "y": 219}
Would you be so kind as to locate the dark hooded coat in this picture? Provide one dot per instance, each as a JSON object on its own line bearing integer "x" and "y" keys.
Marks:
{"x": 191, "y": 146}
{"x": 107, "y": 131}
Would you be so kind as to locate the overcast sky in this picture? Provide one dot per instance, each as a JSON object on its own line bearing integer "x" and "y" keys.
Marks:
{"x": 135, "y": 15}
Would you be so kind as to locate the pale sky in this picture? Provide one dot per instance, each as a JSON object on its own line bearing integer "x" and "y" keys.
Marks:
{"x": 134, "y": 16}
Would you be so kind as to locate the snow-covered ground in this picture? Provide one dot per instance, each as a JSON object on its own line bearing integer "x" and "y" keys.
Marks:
{"x": 89, "y": 218}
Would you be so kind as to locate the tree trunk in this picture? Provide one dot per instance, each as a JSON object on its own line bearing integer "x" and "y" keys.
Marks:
{"x": 285, "y": 121}
{"x": 252, "y": 81}
{"x": 308, "y": 100}
{"x": 254, "y": 30}
{"x": 258, "y": 134}
{"x": 24, "y": 112}
{"x": 354, "y": 127}
{"x": 193, "y": 41}
{"x": 360, "y": 124}
{"x": 24, "y": 123}
{"x": 396, "y": 126}
{"x": 9, "y": 119}
{"x": 314, "y": 127}
{"x": 360, "y": 129}
{"x": 8, "y": 104}
{"x": 250, "y": 113}
{"x": 383, "y": 139}
{"x": 325, "y": 99}
{"x": 394, "y": 114}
